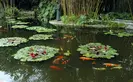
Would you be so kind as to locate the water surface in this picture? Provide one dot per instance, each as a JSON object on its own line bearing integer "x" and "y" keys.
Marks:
{"x": 12, "y": 70}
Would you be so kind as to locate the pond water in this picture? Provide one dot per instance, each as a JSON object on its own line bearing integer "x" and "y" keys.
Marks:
{"x": 12, "y": 70}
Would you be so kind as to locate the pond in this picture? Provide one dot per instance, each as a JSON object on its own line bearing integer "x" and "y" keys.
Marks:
{"x": 12, "y": 70}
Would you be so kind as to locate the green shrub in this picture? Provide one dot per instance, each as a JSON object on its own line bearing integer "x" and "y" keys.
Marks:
{"x": 82, "y": 20}
{"x": 116, "y": 25}
{"x": 46, "y": 11}
{"x": 69, "y": 19}
{"x": 11, "y": 12}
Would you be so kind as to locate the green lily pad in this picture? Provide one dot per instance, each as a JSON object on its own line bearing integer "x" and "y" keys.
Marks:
{"x": 41, "y": 29}
{"x": 35, "y": 53}
{"x": 11, "y": 21}
{"x": 119, "y": 33}
{"x": 97, "y": 50}
{"x": 20, "y": 26}
{"x": 41, "y": 37}
{"x": 21, "y": 23}
{"x": 12, "y": 41}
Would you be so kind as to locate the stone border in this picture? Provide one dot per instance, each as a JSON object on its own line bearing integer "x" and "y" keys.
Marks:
{"x": 129, "y": 24}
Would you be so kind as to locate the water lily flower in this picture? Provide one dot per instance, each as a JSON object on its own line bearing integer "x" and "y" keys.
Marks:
{"x": 105, "y": 48}
{"x": 32, "y": 55}
{"x": 44, "y": 52}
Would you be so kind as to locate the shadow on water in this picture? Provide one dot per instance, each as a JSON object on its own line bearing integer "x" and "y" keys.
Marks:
{"x": 12, "y": 70}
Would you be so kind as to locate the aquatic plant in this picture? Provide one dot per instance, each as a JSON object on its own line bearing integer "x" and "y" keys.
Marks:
{"x": 21, "y": 23}
{"x": 14, "y": 21}
{"x": 97, "y": 50}
{"x": 118, "y": 33}
{"x": 35, "y": 53}
{"x": 41, "y": 29}
{"x": 19, "y": 26}
{"x": 41, "y": 37}
{"x": 12, "y": 41}
{"x": 67, "y": 53}
{"x": 46, "y": 11}
{"x": 11, "y": 21}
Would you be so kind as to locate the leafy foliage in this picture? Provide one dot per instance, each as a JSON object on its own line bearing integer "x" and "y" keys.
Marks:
{"x": 41, "y": 29}
{"x": 35, "y": 53}
{"x": 12, "y": 41}
{"x": 97, "y": 50}
{"x": 118, "y": 33}
{"x": 46, "y": 10}
{"x": 116, "y": 15}
{"x": 69, "y": 19}
{"x": 11, "y": 12}
{"x": 20, "y": 26}
{"x": 40, "y": 37}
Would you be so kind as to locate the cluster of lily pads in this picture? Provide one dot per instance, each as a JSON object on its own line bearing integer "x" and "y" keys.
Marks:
{"x": 41, "y": 37}
{"x": 41, "y": 29}
{"x": 97, "y": 50}
{"x": 12, "y": 41}
{"x": 119, "y": 33}
{"x": 16, "y": 22}
{"x": 36, "y": 53}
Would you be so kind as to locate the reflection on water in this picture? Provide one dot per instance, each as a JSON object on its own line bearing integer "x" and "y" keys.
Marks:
{"x": 75, "y": 71}
{"x": 5, "y": 77}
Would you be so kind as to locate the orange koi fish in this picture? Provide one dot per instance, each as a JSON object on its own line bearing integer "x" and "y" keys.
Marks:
{"x": 65, "y": 62}
{"x": 93, "y": 62}
{"x": 85, "y": 58}
{"x": 56, "y": 61}
{"x": 110, "y": 65}
{"x": 60, "y": 56}
{"x": 55, "y": 67}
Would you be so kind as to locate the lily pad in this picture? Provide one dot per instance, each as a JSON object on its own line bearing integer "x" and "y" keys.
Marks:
{"x": 11, "y": 21}
{"x": 21, "y": 23}
{"x": 41, "y": 29}
{"x": 35, "y": 53}
{"x": 20, "y": 26}
{"x": 41, "y": 37}
{"x": 97, "y": 50}
{"x": 119, "y": 33}
{"x": 12, "y": 41}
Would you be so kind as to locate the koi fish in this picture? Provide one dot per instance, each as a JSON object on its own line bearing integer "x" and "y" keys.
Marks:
{"x": 100, "y": 69}
{"x": 85, "y": 58}
{"x": 93, "y": 62}
{"x": 110, "y": 65}
{"x": 56, "y": 61}
{"x": 65, "y": 62}
{"x": 55, "y": 67}
{"x": 68, "y": 36}
{"x": 60, "y": 56}
{"x": 118, "y": 67}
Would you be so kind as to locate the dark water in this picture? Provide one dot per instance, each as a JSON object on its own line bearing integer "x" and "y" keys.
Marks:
{"x": 12, "y": 70}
